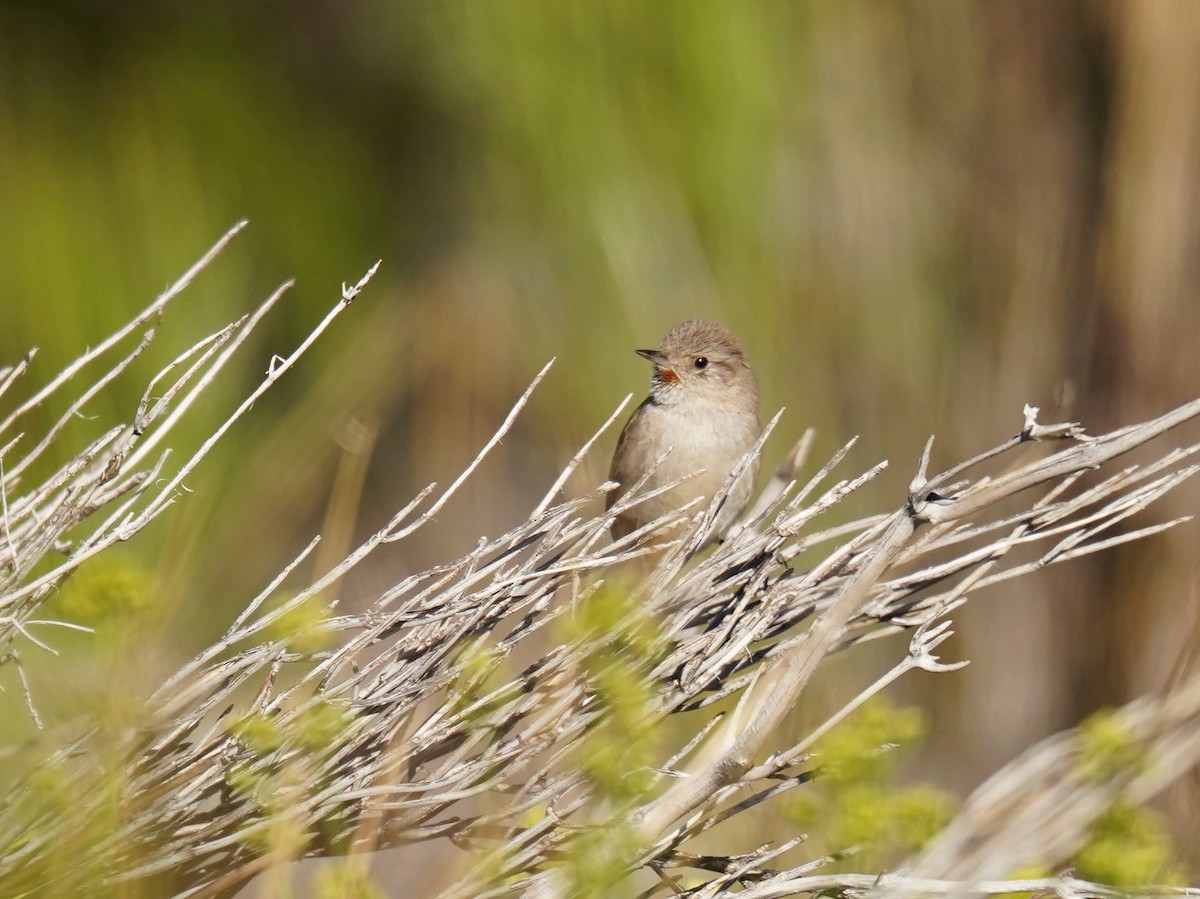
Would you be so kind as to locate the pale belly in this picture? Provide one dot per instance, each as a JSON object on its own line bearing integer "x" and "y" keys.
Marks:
{"x": 713, "y": 442}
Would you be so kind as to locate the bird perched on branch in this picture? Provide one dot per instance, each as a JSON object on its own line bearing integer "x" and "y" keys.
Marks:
{"x": 703, "y": 412}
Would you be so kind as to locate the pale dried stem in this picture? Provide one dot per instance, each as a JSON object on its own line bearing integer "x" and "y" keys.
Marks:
{"x": 150, "y": 312}
{"x": 436, "y": 740}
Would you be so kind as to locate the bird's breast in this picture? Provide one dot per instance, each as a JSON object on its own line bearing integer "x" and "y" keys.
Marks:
{"x": 696, "y": 440}
{"x": 700, "y": 437}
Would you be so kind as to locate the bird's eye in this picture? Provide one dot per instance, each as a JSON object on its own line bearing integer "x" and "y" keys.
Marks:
{"x": 701, "y": 363}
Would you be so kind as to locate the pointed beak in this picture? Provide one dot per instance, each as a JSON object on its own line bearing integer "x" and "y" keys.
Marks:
{"x": 664, "y": 371}
{"x": 659, "y": 360}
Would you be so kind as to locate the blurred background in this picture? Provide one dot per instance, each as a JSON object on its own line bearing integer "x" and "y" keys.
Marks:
{"x": 918, "y": 217}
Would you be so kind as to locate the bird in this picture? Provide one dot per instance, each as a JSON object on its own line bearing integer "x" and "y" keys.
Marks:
{"x": 702, "y": 412}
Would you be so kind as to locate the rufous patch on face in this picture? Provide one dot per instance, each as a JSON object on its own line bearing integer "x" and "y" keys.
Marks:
{"x": 666, "y": 376}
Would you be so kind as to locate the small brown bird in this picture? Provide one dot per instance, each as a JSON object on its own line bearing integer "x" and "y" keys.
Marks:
{"x": 703, "y": 407}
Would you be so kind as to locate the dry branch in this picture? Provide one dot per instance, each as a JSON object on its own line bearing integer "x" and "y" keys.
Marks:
{"x": 436, "y": 735}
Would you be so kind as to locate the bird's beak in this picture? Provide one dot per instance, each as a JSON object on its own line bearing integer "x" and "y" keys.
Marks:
{"x": 665, "y": 370}
{"x": 654, "y": 356}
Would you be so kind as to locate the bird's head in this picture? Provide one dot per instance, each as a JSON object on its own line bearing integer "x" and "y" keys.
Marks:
{"x": 701, "y": 361}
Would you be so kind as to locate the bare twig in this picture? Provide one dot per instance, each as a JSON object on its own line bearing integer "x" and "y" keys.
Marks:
{"x": 439, "y": 731}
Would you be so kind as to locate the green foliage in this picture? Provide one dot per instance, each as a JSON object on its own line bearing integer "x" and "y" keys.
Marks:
{"x": 279, "y": 836}
{"x": 1107, "y": 748}
{"x": 283, "y": 754}
{"x": 318, "y": 724}
{"x": 856, "y": 802}
{"x": 260, "y": 733}
{"x": 313, "y": 729}
{"x": 346, "y": 880}
{"x": 598, "y": 859}
{"x": 920, "y": 811}
{"x": 1129, "y": 846}
{"x": 610, "y": 622}
{"x": 480, "y": 686}
{"x": 620, "y": 643}
{"x": 50, "y": 788}
{"x": 106, "y": 590}
{"x": 858, "y": 751}
{"x": 304, "y": 627}
{"x": 243, "y": 780}
{"x": 51, "y": 802}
